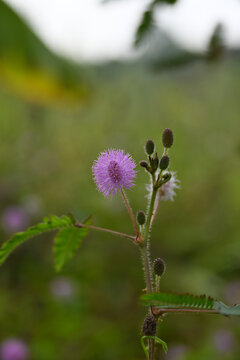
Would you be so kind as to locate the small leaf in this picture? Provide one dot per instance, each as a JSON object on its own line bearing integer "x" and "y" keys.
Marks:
{"x": 67, "y": 242}
{"x": 157, "y": 340}
{"x": 145, "y": 27}
{"x": 49, "y": 223}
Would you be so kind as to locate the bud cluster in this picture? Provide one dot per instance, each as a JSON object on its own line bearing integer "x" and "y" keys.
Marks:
{"x": 154, "y": 164}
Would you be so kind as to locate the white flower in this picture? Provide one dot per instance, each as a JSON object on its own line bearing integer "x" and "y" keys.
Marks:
{"x": 167, "y": 191}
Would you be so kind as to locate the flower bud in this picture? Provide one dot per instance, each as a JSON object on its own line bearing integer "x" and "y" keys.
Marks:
{"x": 165, "y": 178}
{"x": 144, "y": 164}
{"x": 167, "y": 138}
{"x": 154, "y": 163}
{"x": 164, "y": 162}
{"x": 149, "y": 147}
{"x": 141, "y": 217}
{"x": 159, "y": 266}
{"x": 149, "y": 326}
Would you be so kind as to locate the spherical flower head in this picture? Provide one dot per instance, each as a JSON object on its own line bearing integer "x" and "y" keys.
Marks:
{"x": 113, "y": 170}
{"x": 13, "y": 349}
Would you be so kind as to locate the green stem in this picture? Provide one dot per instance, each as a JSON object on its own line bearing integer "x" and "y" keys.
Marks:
{"x": 145, "y": 250}
{"x": 147, "y": 267}
{"x": 149, "y": 215}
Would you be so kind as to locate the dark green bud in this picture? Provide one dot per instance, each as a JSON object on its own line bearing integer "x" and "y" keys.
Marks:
{"x": 159, "y": 266}
{"x": 164, "y": 162}
{"x": 141, "y": 217}
{"x": 144, "y": 164}
{"x": 149, "y": 326}
{"x": 165, "y": 178}
{"x": 167, "y": 138}
{"x": 154, "y": 163}
{"x": 149, "y": 147}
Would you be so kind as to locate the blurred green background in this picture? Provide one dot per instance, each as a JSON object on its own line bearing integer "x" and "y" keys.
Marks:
{"x": 55, "y": 117}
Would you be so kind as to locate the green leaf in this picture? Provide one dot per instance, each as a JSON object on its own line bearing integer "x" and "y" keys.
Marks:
{"x": 156, "y": 339}
{"x": 145, "y": 27}
{"x": 67, "y": 242}
{"x": 49, "y": 223}
{"x": 178, "y": 301}
{"x": 187, "y": 301}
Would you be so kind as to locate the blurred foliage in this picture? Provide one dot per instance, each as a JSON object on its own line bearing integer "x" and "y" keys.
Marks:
{"x": 147, "y": 23}
{"x": 46, "y": 155}
{"x": 32, "y": 71}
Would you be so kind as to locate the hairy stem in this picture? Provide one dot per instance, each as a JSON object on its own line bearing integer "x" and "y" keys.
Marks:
{"x": 125, "y": 199}
{"x": 106, "y": 230}
{"x": 146, "y": 267}
{"x": 150, "y": 214}
{"x": 157, "y": 311}
{"x": 145, "y": 250}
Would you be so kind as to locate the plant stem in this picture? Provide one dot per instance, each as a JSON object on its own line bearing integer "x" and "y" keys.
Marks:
{"x": 106, "y": 230}
{"x": 149, "y": 215}
{"x": 145, "y": 250}
{"x": 125, "y": 199}
{"x": 146, "y": 266}
{"x": 164, "y": 311}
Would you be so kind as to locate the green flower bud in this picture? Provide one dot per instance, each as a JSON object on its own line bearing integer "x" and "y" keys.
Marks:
{"x": 144, "y": 164}
{"x": 159, "y": 266}
{"x": 167, "y": 138}
{"x": 149, "y": 147}
{"x": 149, "y": 326}
{"x": 164, "y": 162}
{"x": 141, "y": 217}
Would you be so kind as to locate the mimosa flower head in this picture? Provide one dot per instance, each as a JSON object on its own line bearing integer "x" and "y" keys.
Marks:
{"x": 113, "y": 170}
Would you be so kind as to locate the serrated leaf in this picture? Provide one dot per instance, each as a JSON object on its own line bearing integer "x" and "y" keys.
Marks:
{"x": 189, "y": 301}
{"x": 178, "y": 301}
{"x": 49, "y": 223}
{"x": 67, "y": 242}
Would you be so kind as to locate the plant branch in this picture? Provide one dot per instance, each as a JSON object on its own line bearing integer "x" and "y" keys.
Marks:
{"x": 157, "y": 311}
{"x": 150, "y": 214}
{"x": 125, "y": 199}
{"x": 107, "y": 230}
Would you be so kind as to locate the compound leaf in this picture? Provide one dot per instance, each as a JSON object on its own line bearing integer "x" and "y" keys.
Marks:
{"x": 67, "y": 242}
{"x": 188, "y": 301}
{"x": 49, "y": 223}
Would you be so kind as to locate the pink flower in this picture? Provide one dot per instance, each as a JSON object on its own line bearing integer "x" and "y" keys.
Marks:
{"x": 112, "y": 170}
{"x": 13, "y": 349}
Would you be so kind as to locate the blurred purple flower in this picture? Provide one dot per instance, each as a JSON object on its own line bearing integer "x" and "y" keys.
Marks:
{"x": 224, "y": 341}
{"x": 13, "y": 349}
{"x": 176, "y": 352}
{"x": 112, "y": 170}
{"x": 14, "y": 218}
{"x": 62, "y": 288}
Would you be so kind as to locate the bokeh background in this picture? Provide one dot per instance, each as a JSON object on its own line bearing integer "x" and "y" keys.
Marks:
{"x": 56, "y": 115}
